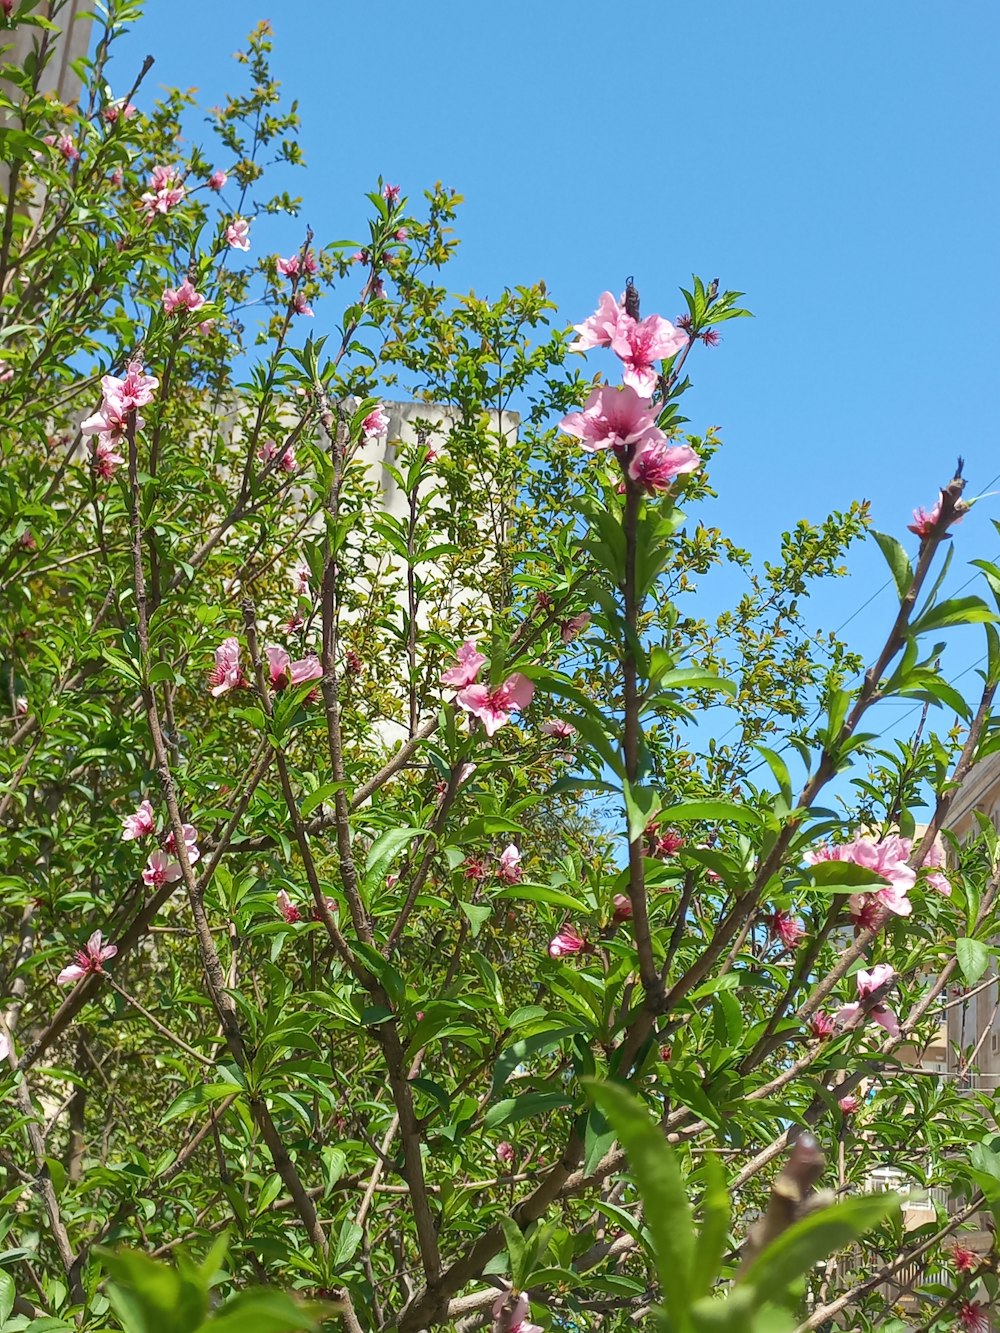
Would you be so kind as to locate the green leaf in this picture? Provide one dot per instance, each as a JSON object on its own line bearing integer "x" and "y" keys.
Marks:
{"x": 525, "y": 1107}
{"x": 6, "y": 1296}
{"x": 973, "y": 958}
{"x": 714, "y": 1234}
{"x": 519, "y": 1051}
{"x": 721, "y": 812}
{"x": 813, "y": 1239}
{"x": 665, "y": 1201}
{"x": 265, "y": 1311}
{"x": 348, "y": 1240}
{"x": 897, "y": 560}
{"x": 476, "y": 915}
{"x": 384, "y": 851}
{"x": 517, "y": 1251}
{"x": 957, "y": 611}
{"x": 641, "y": 804}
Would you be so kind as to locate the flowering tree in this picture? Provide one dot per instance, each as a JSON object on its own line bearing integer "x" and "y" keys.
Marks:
{"x": 383, "y": 943}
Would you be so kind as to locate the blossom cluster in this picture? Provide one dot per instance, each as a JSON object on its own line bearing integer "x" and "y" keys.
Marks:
{"x": 120, "y": 403}
{"x": 623, "y": 419}
{"x": 228, "y": 673}
{"x": 493, "y": 705}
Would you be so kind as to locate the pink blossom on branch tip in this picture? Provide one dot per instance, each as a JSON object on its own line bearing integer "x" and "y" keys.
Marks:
{"x": 655, "y": 463}
{"x": 559, "y": 729}
{"x": 469, "y": 662}
{"x": 640, "y": 345}
{"x": 139, "y": 824}
{"x": 567, "y": 941}
{"x": 493, "y": 707}
{"x": 190, "y": 843}
{"x": 509, "y": 866}
{"x": 925, "y": 522}
{"x": 88, "y": 959}
{"x": 238, "y": 234}
{"x": 217, "y": 181}
{"x": 974, "y": 1317}
{"x": 613, "y": 419}
{"x": 227, "y": 673}
{"x": 183, "y": 297}
{"x": 886, "y": 857}
{"x": 375, "y": 423}
{"x": 290, "y": 913}
{"x": 600, "y": 328}
{"x": 160, "y": 869}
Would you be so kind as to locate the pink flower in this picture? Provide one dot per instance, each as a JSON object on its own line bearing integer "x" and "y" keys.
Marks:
{"x": 165, "y": 192}
{"x": 600, "y": 329}
{"x": 613, "y": 419}
{"x": 117, "y": 177}
{"x": 183, "y": 297}
{"x": 140, "y": 824}
{"x": 268, "y": 450}
{"x": 300, "y": 579}
{"x": 567, "y": 941}
{"x": 509, "y": 867}
{"x": 105, "y": 459}
{"x": 285, "y": 672}
{"x": 887, "y": 857}
{"x": 570, "y": 628}
{"x": 8, "y": 7}
{"x": 469, "y": 662}
{"x": 505, "y": 1153}
{"x": 933, "y": 862}
{"x": 375, "y": 423}
{"x": 924, "y": 523}
{"x": 121, "y": 108}
{"x": 400, "y": 234}
{"x": 359, "y": 257}
{"x": 867, "y": 983}
{"x": 623, "y": 908}
{"x": 67, "y": 146}
{"x": 289, "y": 267}
{"x": 238, "y": 234}
{"x": 287, "y": 908}
{"x": 848, "y": 1104}
{"x": 974, "y": 1317}
{"x": 513, "y": 1320}
{"x": 964, "y": 1260}
{"x": 301, "y": 306}
{"x": 218, "y": 180}
{"x": 641, "y": 345}
{"x": 88, "y": 959}
{"x": 655, "y": 463}
{"x": 558, "y": 728}
{"x": 475, "y": 869}
{"x": 822, "y": 1026}
{"x": 190, "y": 843}
{"x": 710, "y": 337}
{"x": 391, "y": 193}
{"x": 665, "y": 844}
{"x": 330, "y": 906}
{"x": 784, "y": 927}
{"x": 227, "y": 673}
{"x": 160, "y": 870}
{"x": 493, "y": 707}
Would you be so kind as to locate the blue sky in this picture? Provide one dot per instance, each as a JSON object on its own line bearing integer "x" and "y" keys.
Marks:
{"x": 837, "y": 163}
